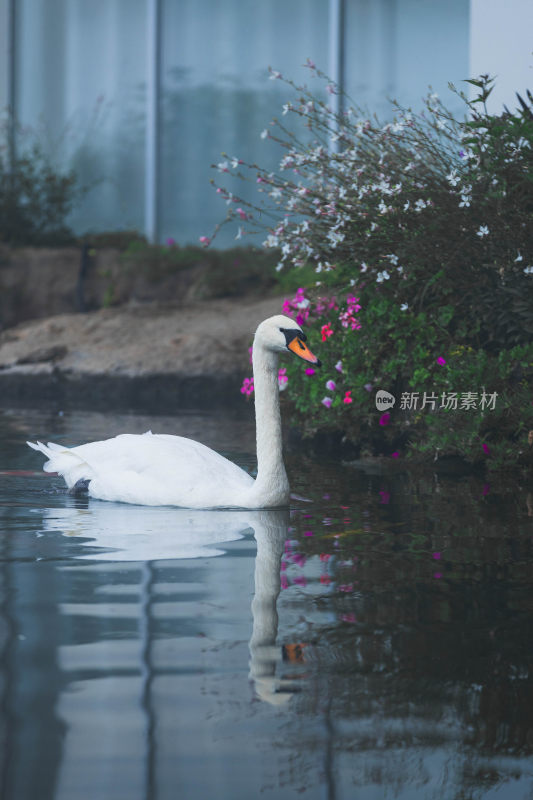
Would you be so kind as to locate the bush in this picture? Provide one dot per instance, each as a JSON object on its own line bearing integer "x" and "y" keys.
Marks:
{"x": 422, "y": 228}
{"x": 35, "y": 199}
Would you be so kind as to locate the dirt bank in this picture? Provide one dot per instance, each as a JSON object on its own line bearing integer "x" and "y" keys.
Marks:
{"x": 140, "y": 357}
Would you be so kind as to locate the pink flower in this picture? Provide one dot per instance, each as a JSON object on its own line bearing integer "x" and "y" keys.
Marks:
{"x": 171, "y": 242}
{"x": 385, "y": 497}
{"x": 325, "y": 556}
{"x": 441, "y": 361}
{"x": 395, "y": 454}
{"x": 242, "y": 214}
{"x": 486, "y": 449}
{"x": 284, "y": 581}
{"x": 282, "y": 378}
{"x": 308, "y": 533}
{"x": 437, "y": 575}
{"x": 331, "y": 386}
{"x": 326, "y": 331}
{"x": 385, "y": 418}
{"x": 205, "y": 240}
{"x": 338, "y": 366}
{"x": 437, "y": 556}
{"x": 247, "y": 387}
{"x": 348, "y": 397}
{"x": 326, "y": 401}
{"x": 309, "y": 371}
{"x": 368, "y": 387}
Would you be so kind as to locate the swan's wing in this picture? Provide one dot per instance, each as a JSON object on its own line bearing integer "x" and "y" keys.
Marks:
{"x": 151, "y": 470}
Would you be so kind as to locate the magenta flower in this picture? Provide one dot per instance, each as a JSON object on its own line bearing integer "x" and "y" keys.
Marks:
{"x": 395, "y": 454}
{"x": 309, "y": 371}
{"x": 384, "y": 419}
{"x": 282, "y": 378}
{"x": 441, "y": 361}
{"x": 385, "y": 497}
{"x": 486, "y": 449}
{"x": 348, "y": 397}
{"x": 242, "y": 214}
{"x": 338, "y": 366}
{"x": 326, "y": 401}
{"x": 331, "y": 386}
{"x": 437, "y": 556}
{"x": 486, "y": 489}
{"x": 247, "y": 387}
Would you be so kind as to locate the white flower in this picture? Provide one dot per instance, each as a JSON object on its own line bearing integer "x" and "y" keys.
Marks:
{"x": 271, "y": 241}
{"x": 440, "y": 123}
{"x": 275, "y": 193}
{"x": 420, "y": 205}
{"x": 364, "y": 266}
{"x": 286, "y": 249}
{"x": 406, "y": 206}
{"x": 286, "y": 108}
{"x": 264, "y": 134}
{"x": 528, "y": 270}
{"x": 519, "y": 257}
{"x": 465, "y": 201}
{"x": 404, "y": 307}
{"x": 274, "y": 75}
{"x": 483, "y": 231}
{"x": 452, "y": 177}
{"x": 223, "y": 166}
{"x": 239, "y": 233}
{"x": 382, "y": 276}
{"x": 392, "y": 258}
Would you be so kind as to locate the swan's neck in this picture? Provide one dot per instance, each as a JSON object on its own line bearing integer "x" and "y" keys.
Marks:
{"x": 271, "y": 482}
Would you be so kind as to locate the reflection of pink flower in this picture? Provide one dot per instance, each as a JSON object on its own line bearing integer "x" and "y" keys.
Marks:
{"x": 300, "y": 580}
{"x": 486, "y": 449}
{"x": 437, "y": 575}
{"x": 436, "y": 556}
{"x": 348, "y": 617}
{"x": 325, "y": 556}
{"x": 308, "y": 533}
{"x": 385, "y": 497}
{"x": 346, "y": 587}
{"x": 284, "y": 581}
{"x": 486, "y": 489}
{"x": 441, "y": 361}
{"x": 325, "y": 579}
{"x": 384, "y": 419}
{"x": 395, "y": 454}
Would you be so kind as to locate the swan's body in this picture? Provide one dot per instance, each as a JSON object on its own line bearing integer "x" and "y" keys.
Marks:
{"x": 159, "y": 469}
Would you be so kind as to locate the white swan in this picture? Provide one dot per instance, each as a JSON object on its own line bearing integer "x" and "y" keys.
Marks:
{"x": 158, "y": 469}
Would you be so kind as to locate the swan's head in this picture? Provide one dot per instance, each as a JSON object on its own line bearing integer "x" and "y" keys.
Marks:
{"x": 281, "y": 333}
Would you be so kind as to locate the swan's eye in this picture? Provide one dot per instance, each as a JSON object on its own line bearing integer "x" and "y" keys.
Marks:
{"x": 293, "y": 333}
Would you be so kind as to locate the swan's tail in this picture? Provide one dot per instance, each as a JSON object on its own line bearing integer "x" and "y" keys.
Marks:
{"x": 65, "y": 462}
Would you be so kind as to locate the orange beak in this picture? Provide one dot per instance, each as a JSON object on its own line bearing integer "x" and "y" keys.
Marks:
{"x": 299, "y": 347}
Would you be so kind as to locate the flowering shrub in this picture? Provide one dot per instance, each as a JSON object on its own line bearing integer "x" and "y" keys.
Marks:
{"x": 421, "y": 230}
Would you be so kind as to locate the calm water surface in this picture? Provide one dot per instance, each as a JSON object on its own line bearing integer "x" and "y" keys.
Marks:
{"x": 373, "y": 642}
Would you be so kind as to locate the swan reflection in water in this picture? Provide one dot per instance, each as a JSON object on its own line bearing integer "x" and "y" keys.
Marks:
{"x": 120, "y": 533}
